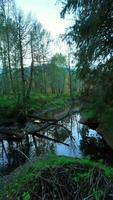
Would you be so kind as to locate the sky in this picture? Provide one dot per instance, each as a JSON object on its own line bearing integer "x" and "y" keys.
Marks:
{"x": 48, "y": 14}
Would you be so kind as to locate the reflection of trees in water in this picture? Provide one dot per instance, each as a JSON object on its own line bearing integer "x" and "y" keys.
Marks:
{"x": 70, "y": 123}
{"x": 13, "y": 153}
{"x": 95, "y": 147}
{"x": 59, "y": 133}
{"x": 84, "y": 131}
{"x": 43, "y": 146}
{"x": 17, "y": 152}
{"x": 90, "y": 145}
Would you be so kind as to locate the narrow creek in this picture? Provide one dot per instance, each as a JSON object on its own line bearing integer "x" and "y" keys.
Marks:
{"x": 81, "y": 140}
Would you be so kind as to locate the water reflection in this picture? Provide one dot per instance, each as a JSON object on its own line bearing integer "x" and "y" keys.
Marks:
{"x": 93, "y": 145}
{"x": 82, "y": 141}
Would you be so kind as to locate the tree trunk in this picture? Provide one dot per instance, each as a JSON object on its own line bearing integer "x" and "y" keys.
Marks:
{"x": 22, "y": 66}
{"x": 9, "y": 63}
{"x": 32, "y": 67}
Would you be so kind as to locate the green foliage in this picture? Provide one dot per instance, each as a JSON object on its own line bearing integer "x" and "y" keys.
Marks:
{"x": 10, "y": 108}
{"x": 26, "y": 196}
{"x": 44, "y": 102}
{"x": 91, "y": 33}
{"x": 58, "y": 60}
{"x": 98, "y": 194}
{"x": 89, "y": 114}
{"x": 81, "y": 176}
{"x": 109, "y": 172}
{"x": 7, "y": 102}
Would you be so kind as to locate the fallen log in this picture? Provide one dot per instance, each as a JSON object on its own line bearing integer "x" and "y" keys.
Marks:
{"x": 7, "y": 123}
{"x": 8, "y": 130}
{"x": 48, "y": 138}
{"x": 10, "y": 138}
{"x": 93, "y": 124}
{"x": 10, "y": 134}
{"x": 32, "y": 128}
{"x": 55, "y": 118}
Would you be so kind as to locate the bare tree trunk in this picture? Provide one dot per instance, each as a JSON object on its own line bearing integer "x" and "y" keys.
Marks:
{"x": 70, "y": 78}
{"x": 22, "y": 66}
{"x": 9, "y": 64}
{"x": 45, "y": 88}
{"x": 32, "y": 67}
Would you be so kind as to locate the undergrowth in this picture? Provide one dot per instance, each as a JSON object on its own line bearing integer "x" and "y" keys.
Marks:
{"x": 10, "y": 107}
{"x": 61, "y": 178}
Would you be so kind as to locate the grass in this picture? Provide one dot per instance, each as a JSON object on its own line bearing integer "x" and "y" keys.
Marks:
{"x": 6, "y": 102}
{"x": 61, "y": 178}
{"x": 9, "y": 106}
{"x": 43, "y": 102}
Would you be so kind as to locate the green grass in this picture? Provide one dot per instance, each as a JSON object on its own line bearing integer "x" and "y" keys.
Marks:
{"x": 9, "y": 106}
{"x": 43, "y": 102}
{"x": 27, "y": 178}
{"x": 7, "y": 102}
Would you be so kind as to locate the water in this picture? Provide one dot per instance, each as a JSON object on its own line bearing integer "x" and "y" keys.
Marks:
{"x": 82, "y": 142}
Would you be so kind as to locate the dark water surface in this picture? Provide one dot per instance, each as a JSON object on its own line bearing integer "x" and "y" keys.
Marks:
{"x": 82, "y": 142}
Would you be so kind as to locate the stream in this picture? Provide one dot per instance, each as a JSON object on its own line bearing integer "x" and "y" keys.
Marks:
{"x": 81, "y": 140}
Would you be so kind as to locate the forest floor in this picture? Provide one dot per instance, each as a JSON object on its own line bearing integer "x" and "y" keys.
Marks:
{"x": 63, "y": 178}
{"x": 10, "y": 108}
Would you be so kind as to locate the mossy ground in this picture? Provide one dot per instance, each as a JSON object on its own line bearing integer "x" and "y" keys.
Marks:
{"x": 61, "y": 178}
{"x": 10, "y": 106}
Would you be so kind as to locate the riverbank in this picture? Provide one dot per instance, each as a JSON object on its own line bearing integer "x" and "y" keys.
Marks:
{"x": 60, "y": 178}
{"x": 100, "y": 118}
{"x": 10, "y": 108}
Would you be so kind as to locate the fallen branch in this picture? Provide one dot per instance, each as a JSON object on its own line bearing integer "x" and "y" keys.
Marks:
{"x": 48, "y": 138}
{"x": 10, "y": 134}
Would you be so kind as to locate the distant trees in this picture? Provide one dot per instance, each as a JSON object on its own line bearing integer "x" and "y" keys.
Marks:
{"x": 23, "y": 43}
{"x": 41, "y": 43}
{"x": 6, "y": 42}
{"x": 26, "y": 66}
{"x": 57, "y": 74}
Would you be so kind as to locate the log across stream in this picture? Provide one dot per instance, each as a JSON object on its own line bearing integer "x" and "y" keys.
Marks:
{"x": 59, "y": 133}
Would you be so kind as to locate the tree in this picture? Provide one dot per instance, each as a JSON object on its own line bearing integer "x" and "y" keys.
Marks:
{"x": 40, "y": 45}
{"x": 24, "y": 49}
{"x": 93, "y": 37}
{"x": 56, "y": 73}
{"x": 6, "y": 42}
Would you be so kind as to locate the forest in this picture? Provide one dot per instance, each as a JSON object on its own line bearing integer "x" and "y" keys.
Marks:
{"x": 56, "y": 108}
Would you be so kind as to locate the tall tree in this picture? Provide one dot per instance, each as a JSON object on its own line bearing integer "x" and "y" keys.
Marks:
{"x": 56, "y": 72}
{"x": 92, "y": 35}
